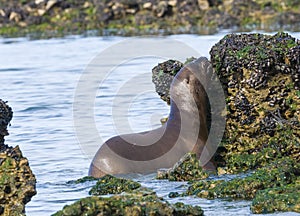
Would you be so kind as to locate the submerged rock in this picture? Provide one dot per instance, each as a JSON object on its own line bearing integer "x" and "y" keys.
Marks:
{"x": 112, "y": 185}
{"x": 141, "y": 202}
{"x": 17, "y": 182}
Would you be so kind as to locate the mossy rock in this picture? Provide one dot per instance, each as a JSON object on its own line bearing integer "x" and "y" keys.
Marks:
{"x": 17, "y": 182}
{"x": 83, "y": 180}
{"x": 112, "y": 185}
{"x": 188, "y": 168}
{"x": 142, "y": 202}
{"x": 281, "y": 199}
{"x": 278, "y": 174}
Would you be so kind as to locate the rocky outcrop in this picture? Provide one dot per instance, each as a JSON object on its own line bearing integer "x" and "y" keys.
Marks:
{"x": 17, "y": 182}
{"x": 121, "y": 17}
{"x": 260, "y": 77}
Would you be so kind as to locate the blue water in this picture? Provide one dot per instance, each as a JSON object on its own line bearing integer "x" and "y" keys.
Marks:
{"x": 39, "y": 79}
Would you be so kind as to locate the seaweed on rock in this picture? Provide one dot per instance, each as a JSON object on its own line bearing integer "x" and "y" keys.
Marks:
{"x": 140, "y": 202}
{"x": 112, "y": 185}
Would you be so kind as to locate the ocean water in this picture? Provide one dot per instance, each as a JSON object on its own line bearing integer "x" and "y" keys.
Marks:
{"x": 40, "y": 79}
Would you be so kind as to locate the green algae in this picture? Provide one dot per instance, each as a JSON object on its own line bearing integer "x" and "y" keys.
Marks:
{"x": 285, "y": 199}
{"x": 277, "y": 174}
{"x": 143, "y": 202}
{"x": 83, "y": 180}
{"x": 112, "y": 185}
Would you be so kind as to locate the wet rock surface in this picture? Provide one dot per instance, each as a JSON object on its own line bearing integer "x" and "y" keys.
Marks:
{"x": 186, "y": 169}
{"x": 17, "y": 182}
{"x": 281, "y": 173}
{"x": 138, "y": 202}
{"x": 112, "y": 185}
{"x": 285, "y": 198}
{"x": 48, "y": 18}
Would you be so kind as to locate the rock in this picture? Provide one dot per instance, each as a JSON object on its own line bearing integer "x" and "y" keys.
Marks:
{"x": 6, "y": 115}
{"x": 162, "y": 76}
{"x": 17, "y": 182}
{"x": 14, "y": 17}
{"x": 259, "y": 74}
{"x": 172, "y": 3}
{"x": 37, "y": 2}
{"x": 188, "y": 168}
{"x": 278, "y": 174}
{"x": 142, "y": 202}
{"x": 282, "y": 199}
{"x": 162, "y": 9}
{"x": 147, "y": 5}
{"x": 41, "y": 12}
{"x": 2, "y": 13}
{"x": 260, "y": 77}
{"x": 83, "y": 180}
{"x": 140, "y": 17}
{"x": 203, "y": 4}
{"x": 50, "y": 4}
{"x": 112, "y": 185}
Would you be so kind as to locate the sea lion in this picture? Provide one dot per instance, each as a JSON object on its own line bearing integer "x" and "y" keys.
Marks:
{"x": 186, "y": 130}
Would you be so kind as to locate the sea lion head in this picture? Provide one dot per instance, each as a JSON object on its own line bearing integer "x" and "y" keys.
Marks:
{"x": 188, "y": 87}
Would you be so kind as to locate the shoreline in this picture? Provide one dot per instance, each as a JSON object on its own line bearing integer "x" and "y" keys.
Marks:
{"x": 54, "y": 18}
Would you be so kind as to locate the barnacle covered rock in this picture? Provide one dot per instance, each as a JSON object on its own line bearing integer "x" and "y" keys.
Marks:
{"x": 260, "y": 77}
{"x": 186, "y": 169}
{"x": 112, "y": 185}
{"x": 140, "y": 202}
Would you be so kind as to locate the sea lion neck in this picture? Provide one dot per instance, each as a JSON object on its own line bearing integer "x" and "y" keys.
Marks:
{"x": 180, "y": 115}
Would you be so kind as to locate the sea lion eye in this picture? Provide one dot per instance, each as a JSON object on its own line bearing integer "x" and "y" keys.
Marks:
{"x": 187, "y": 80}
